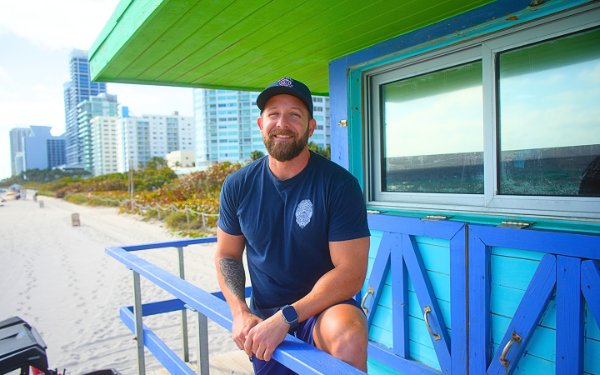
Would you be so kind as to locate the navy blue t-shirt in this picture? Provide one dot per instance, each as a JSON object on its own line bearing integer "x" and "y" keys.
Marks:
{"x": 288, "y": 224}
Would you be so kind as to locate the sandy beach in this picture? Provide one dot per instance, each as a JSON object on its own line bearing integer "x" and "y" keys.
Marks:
{"x": 58, "y": 278}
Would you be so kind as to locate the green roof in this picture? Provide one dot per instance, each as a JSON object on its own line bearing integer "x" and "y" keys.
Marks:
{"x": 248, "y": 44}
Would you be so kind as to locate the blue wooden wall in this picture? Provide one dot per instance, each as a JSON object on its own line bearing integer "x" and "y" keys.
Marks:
{"x": 542, "y": 286}
{"x": 412, "y": 266}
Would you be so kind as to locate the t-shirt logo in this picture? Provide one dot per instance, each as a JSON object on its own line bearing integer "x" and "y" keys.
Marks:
{"x": 304, "y": 213}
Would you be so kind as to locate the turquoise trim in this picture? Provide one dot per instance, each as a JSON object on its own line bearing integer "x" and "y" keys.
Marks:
{"x": 355, "y": 133}
{"x": 495, "y": 220}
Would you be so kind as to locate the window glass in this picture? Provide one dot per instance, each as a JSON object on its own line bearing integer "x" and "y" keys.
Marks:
{"x": 549, "y": 116}
{"x": 432, "y": 132}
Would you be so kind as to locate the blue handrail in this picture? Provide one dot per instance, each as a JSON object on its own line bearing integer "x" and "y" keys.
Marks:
{"x": 293, "y": 353}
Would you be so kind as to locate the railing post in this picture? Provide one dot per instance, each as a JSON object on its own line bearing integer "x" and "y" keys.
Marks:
{"x": 184, "y": 324}
{"x": 203, "y": 365}
{"x": 139, "y": 330}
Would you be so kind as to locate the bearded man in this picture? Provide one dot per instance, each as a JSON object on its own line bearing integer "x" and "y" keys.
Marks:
{"x": 302, "y": 220}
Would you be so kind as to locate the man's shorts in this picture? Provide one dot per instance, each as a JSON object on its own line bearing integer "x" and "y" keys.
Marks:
{"x": 305, "y": 333}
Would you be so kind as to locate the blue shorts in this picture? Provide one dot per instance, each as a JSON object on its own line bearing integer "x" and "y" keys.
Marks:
{"x": 304, "y": 332}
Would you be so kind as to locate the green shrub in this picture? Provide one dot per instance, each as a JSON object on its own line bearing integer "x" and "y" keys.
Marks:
{"x": 176, "y": 220}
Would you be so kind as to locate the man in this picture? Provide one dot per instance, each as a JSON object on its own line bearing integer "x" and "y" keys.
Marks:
{"x": 302, "y": 220}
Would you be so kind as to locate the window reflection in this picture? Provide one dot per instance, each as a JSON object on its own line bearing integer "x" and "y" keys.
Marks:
{"x": 432, "y": 136}
{"x": 550, "y": 118}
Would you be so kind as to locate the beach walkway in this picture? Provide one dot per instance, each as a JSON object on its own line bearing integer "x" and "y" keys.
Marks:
{"x": 57, "y": 277}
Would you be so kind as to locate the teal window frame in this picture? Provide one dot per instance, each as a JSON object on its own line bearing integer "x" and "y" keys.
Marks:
{"x": 365, "y": 82}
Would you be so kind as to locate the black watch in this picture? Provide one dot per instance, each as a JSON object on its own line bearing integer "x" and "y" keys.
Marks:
{"x": 290, "y": 316}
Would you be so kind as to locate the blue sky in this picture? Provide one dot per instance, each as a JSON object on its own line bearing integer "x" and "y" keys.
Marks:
{"x": 36, "y": 37}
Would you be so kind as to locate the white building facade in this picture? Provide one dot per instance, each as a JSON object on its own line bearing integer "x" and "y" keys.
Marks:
{"x": 105, "y": 145}
{"x": 143, "y": 138}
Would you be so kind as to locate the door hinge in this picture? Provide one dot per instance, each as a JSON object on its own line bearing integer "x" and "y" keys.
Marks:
{"x": 514, "y": 224}
{"x": 435, "y": 217}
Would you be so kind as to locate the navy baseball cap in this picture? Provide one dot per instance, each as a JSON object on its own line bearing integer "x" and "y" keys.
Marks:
{"x": 288, "y": 86}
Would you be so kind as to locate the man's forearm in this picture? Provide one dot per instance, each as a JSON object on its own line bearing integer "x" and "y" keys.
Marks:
{"x": 234, "y": 276}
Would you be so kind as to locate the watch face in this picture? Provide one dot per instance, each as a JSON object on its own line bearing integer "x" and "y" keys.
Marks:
{"x": 290, "y": 314}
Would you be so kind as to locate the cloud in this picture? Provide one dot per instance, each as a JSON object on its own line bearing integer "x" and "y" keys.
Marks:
{"x": 147, "y": 100}
{"x": 56, "y": 24}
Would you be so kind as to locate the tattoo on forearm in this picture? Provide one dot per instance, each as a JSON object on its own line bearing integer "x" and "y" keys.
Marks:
{"x": 233, "y": 273}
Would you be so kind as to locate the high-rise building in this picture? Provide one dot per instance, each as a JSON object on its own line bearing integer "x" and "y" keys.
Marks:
{"x": 148, "y": 136}
{"x": 17, "y": 150}
{"x": 80, "y": 88}
{"x": 101, "y": 105}
{"x": 105, "y": 145}
{"x": 226, "y": 128}
{"x": 56, "y": 152}
{"x": 35, "y": 148}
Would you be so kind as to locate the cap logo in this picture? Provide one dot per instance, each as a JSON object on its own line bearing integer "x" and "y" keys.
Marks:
{"x": 287, "y": 82}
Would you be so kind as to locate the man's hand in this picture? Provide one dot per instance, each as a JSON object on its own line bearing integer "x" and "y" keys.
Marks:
{"x": 263, "y": 339}
{"x": 242, "y": 326}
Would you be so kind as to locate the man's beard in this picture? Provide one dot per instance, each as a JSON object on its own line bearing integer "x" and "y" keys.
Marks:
{"x": 285, "y": 150}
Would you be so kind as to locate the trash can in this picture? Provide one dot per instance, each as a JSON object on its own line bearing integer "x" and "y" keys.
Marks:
{"x": 75, "y": 219}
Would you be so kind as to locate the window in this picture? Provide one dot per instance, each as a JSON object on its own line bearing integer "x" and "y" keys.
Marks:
{"x": 506, "y": 124}
{"x": 550, "y": 117}
{"x": 432, "y": 136}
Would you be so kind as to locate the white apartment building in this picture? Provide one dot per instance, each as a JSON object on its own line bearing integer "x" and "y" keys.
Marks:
{"x": 105, "y": 145}
{"x": 148, "y": 136}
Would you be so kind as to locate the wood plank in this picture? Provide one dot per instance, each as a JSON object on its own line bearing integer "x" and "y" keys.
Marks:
{"x": 590, "y": 287}
{"x": 459, "y": 304}
{"x": 425, "y": 294}
{"x": 569, "y": 316}
{"x": 527, "y": 315}
{"x": 435, "y": 258}
{"x": 530, "y": 364}
{"x": 399, "y": 302}
{"x": 379, "y": 271}
{"x": 541, "y": 344}
{"x": 559, "y": 243}
{"x": 399, "y": 364}
{"x": 413, "y": 226}
{"x": 511, "y": 272}
{"x": 439, "y": 282}
{"x": 381, "y": 336}
{"x": 479, "y": 334}
{"x": 516, "y": 253}
{"x": 592, "y": 329}
{"x": 591, "y": 356}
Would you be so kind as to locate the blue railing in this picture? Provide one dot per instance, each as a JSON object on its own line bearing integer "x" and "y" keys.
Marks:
{"x": 293, "y": 353}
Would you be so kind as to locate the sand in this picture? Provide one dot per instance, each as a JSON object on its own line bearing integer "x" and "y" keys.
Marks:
{"x": 58, "y": 278}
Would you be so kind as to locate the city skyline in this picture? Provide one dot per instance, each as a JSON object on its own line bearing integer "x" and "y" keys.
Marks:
{"x": 35, "y": 65}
